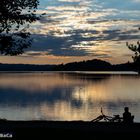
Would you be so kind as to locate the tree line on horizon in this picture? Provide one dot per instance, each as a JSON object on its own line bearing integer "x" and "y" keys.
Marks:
{"x": 88, "y": 65}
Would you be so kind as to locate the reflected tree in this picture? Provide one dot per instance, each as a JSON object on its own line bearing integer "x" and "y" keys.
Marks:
{"x": 136, "y": 58}
{"x": 15, "y": 17}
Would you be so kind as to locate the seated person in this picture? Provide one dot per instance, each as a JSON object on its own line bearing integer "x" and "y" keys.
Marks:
{"x": 127, "y": 118}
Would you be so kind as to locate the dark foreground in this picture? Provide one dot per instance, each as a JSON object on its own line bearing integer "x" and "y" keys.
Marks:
{"x": 66, "y": 130}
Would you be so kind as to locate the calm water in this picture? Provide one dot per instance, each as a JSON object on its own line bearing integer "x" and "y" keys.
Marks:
{"x": 67, "y": 96}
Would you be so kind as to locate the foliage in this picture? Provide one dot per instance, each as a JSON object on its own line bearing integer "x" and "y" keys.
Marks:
{"x": 15, "y": 17}
{"x": 136, "y": 57}
{"x": 135, "y": 49}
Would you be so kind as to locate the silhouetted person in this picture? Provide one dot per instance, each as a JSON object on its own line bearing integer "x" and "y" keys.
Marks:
{"x": 127, "y": 118}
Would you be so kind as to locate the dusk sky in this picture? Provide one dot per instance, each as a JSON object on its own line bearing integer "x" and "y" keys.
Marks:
{"x": 75, "y": 30}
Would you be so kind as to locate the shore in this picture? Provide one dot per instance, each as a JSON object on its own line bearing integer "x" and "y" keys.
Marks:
{"x": 68, "y": 129}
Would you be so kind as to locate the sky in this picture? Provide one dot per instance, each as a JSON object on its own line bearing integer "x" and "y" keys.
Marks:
{"x": 77, "y": 30}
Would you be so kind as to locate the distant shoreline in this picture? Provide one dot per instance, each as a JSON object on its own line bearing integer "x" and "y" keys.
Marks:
{"x": 79, "y": 72}
{"x": 89, "y": 65}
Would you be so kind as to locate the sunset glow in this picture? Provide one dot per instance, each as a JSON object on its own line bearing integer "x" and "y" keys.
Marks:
{"x": 75, "y": 30}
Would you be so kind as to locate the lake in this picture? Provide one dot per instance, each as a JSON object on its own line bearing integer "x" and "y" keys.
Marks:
{"x": 68, "y": 95}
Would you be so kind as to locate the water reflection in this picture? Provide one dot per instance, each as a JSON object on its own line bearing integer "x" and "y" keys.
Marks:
{"x": 67, "y": 96}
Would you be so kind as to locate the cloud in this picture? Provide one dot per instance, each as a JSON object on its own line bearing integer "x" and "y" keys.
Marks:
{"x": 136, "y": 1}
{"x": 97, "y": 38}
{"x": 35, "y": 54}
{"x": 69, "y": 0}
{"x": 84, "y": 28}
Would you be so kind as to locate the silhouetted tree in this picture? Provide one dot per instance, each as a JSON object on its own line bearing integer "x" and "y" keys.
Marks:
{"x": 136, "y": 49}
{"x": 15, "y": 17}
{"x": 136, "y": 57}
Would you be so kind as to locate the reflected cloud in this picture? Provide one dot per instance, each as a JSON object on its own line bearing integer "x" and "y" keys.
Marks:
{"x": 63, "y": 96}
{"x": 29, "y": 82}
{"x": 71, "y": 86}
